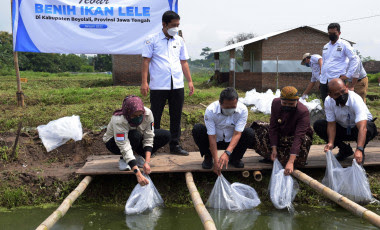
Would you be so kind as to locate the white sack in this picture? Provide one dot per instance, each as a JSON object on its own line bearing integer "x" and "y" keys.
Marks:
{"x": 58, "y": 132}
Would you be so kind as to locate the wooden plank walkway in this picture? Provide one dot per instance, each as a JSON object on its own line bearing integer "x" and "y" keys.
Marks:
{"x": 168, "y": 163}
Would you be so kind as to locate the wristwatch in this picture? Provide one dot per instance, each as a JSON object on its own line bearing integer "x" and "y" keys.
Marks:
{"x": 136, "y": 170}
{"x": 228, "y": 153}
{"x": 361, "y": 149}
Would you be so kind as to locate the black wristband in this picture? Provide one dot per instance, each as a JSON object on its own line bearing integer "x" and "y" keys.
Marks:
{"x": 148, "y": 149}
{"x": 132, "y": 163}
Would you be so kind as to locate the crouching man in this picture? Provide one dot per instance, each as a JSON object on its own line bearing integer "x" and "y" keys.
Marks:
{"x": 289, "y": 136}
{"x": 347, "y": 119}
{"x": 225, "y": 129}
{"x": 131, "y": 129}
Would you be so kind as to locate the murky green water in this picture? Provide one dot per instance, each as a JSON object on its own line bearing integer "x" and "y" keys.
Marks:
{"x": 98, "y": 217}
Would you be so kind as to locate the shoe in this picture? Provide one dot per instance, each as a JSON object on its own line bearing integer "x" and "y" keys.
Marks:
{"x": 266, "y": 161}
{"x": 177, "y": 150}
{"x": 140, "y": 161}
{"x": 123, "y": 166}
{"x": 345, "y": 151}
{"x": 207, "y": 162}
{"x": 237, "y": 163}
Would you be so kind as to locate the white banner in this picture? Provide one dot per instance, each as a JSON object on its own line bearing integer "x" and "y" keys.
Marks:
{"x": 86, "y": 26}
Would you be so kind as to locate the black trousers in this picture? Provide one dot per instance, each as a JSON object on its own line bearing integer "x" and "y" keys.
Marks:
{"x": 161, "y": 138}
{"x": 175, "y": 97}
{"x": 320, "y": 127}
{"x": 201, "y": 139}
{"x": 324, "y": 91}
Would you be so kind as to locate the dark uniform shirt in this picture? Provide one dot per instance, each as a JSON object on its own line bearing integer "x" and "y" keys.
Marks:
{"x": 296, "y": 123}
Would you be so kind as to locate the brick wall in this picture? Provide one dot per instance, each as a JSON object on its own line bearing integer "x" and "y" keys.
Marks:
{"x": 372, "y": 66}
{"x": 293, "y": 44}
{"x": 247, "y": 81}
{"x": 298, "y": 80}
{"x": 126, "y": 69}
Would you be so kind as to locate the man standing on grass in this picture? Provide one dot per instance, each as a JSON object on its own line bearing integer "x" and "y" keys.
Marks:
{"x": 315, "y": 63}
{"x": 224, "y": 128}
{"x": 165, "y": 58}
{"x": 347, "y": 119}
{"x": 336, "y": 54}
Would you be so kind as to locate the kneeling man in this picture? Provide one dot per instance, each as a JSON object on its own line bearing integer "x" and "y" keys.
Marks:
{"x": 347, "y": 119}
{"x": 289, "y": 135}
{"x": 225, "y": 129}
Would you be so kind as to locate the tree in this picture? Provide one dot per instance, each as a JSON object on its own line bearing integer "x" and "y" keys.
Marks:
{"x": 369, "y": 58}
{"x": 6, "y": 49}
{"x": 206, "y": 53}
{"x": 103, "y": 62}
{"x": 239, "y": 38}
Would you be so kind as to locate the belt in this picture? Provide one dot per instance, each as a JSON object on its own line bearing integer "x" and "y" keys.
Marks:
{"x": 362, "y": 78}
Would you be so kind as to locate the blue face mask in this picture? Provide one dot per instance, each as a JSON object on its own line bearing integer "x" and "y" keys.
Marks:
{"x": 307, "y": 64}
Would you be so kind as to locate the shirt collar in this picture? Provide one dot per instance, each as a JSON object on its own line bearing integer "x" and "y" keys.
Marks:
{"x": 337, "y": 42}
{"x": 163, "y": 36}
{"x": 218, "y": 108}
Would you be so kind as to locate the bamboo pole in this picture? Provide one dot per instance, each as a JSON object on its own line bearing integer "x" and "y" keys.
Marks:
{"x": 351, "y": 206}
{"x": 257, "y": 176}
{"x": 66, "y": 204}
{"x": 207, "y": 221}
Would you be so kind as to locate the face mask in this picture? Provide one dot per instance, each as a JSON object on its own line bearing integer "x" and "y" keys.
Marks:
{"x": 307, "y": 64}
{"x": 342, "y": 99}
{"x": 228, "y": 112}
{"x": 136, "y": 121}
{"x": 333, "y": 37}
{"x": 173, "y": 31}
{"x": 288, "y": 108}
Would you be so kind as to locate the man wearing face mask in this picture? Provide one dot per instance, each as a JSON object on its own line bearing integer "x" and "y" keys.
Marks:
{"x": 315, "y": 63}
{"x": 224, "y": 129}
{"x": 131, "y": 130}
{"x": 289, "y": 136}
{"x": 336, "y": 54}
{"x": 347, "y": 119}
{"x": 165, "y": 58}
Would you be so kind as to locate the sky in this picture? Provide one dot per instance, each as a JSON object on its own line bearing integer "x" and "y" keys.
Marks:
{"x": 209, "y": 23}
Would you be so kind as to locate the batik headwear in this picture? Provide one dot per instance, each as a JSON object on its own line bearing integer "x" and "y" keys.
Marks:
{"x": 289, "y": 93}
{"x": 131, "y": 104}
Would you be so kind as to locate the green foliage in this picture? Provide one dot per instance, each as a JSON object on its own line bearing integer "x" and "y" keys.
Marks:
{"x": 13, "y": 197}
{"x": 4, "y": 152}
{"x": 103, "y": 62}
{"x": 373, "y": 78}
{"x": 86, "y": 68}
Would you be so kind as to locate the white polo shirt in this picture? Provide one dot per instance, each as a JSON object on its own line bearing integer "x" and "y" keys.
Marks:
{"x": 335, "y": 60}
{"x": 360, "y": 72}
{"x": 224, "y": 126}
{"x": 165, "y": 64}
{"x": 354, "y": 111}
{"x": 315, "y": 68}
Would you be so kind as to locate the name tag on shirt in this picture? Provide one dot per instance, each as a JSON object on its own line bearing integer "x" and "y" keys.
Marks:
{"x": 325, "y": 48}
{"x": 120, "y": 137}
{"x": 339, "y": 49}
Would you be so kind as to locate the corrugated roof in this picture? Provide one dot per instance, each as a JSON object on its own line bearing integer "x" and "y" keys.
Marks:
{"x": 262, "y": 37}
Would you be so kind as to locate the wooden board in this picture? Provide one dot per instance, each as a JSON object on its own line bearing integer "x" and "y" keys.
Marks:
{"x": 168, "y": 163}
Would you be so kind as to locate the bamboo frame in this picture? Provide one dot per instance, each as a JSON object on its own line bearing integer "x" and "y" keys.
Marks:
{"x": 207, "y": 221}
{"x": 66, "y": 204}
{"x": 343, "y": 201}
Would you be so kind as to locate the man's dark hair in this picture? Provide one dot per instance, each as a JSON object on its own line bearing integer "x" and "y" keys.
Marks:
{"x": 169, "y": 15}
{"x": 333, "y": 26}
{"x": 229, "y": 94}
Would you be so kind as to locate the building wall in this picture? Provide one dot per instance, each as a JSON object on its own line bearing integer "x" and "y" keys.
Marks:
{"x": 126, "y": 69}
{"x": 293, "y": 44}
{"x": 256, "y": 49}
{"x": 372, "y": 66}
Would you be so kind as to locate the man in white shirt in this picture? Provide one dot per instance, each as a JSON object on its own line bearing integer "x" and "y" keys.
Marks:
{"x": 339, "y": 59}
{"x": 359, "y": 81}
{"x": 224, "y": 128}
{"x": 347, "y": 119}
{"x": 165, "y": 58}
{"x": 315, "y": 63}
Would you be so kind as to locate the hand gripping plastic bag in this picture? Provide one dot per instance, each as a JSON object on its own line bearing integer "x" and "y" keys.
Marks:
{"x": 234, "y": 197}
{"x": 143, "y": 198}
{"x": 350, "y": 182}
{"x": 282, "y": 189}
{"x": 58, "y": 132}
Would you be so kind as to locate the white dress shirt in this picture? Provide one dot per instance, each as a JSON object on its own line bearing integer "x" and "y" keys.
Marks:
{"x": 335, "y": 60}
{"x": 360, "y": 72}
{"x": 224, "y": 126}
{"x": 165, "y": 64}
{"x": 315, "y": 68}
{"x": 354, "y": 111}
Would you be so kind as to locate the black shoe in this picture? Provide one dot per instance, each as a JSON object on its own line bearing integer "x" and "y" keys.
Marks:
{"x": 207, "y": 163}
{"x": 345, "y": 151}
{"x": 177, "y": 150}
{"x": 266, "y": 161}
{"x": 237, "y": 163}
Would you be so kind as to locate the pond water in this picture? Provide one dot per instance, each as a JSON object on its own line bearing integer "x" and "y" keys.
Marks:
{"x": 100, "y": 217}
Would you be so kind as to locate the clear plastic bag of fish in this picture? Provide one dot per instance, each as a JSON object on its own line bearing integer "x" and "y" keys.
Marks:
{"x": 235, "y": 197}
{"x": 350, "y": 182}
{"x": 282, "y": 189}
{"x": 143, "y": 198}
{"x": 58, "y": 132}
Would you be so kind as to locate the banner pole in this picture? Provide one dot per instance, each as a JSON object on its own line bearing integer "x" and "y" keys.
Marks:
{"x": 19, "y": 94}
